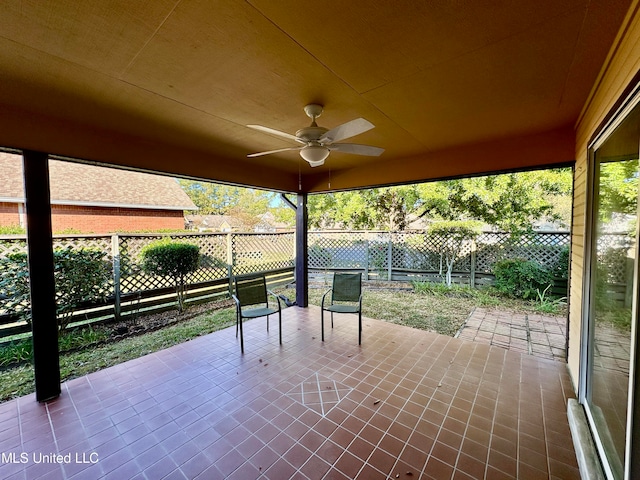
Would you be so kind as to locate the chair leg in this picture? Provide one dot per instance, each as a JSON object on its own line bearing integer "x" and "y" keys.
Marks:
{"x": 267, "y": 323}
{"x": 331, "y": 319}
{"x": 237, "y": 317}
{"x": 359, "y": 328}
{"x": 280, "y": 326}
{"x": 322, "y": 323}
{"x": 241, "y": 336}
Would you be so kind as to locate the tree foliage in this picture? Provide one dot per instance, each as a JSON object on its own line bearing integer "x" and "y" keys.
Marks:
{"x": 218, "y": 199}
{"x": 510, "y": 201}
{"x": 618, "y": 189}
{"x": 385, "y": 208}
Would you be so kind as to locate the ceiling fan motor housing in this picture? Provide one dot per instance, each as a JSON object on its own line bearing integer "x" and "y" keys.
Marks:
{"x": 311, "y": 134}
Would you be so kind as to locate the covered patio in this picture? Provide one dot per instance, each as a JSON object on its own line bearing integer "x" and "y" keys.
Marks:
{"x": 405, "y": 404}
{"x": 454, "y": 89}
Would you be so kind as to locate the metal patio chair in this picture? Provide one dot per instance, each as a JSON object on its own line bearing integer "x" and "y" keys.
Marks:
{"x": 251, "y": 291}
{"x": 345, "y": 296}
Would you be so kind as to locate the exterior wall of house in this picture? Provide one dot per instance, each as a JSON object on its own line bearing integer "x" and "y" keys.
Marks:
{"x": 100, "y": 219}
{"x": 617, "y": 74}
{"x": 9, "y": 214}
{"x": 107, "y": 220}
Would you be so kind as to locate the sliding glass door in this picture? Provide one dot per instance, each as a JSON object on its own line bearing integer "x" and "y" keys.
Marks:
{"x": 612, "y": 298}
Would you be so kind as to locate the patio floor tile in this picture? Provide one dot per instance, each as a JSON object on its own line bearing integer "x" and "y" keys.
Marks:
{"x": 404, "y": 402}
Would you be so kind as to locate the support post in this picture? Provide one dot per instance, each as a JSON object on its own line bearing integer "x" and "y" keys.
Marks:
{"x": 302, "y": 261}
{"x": 44, "y": 324}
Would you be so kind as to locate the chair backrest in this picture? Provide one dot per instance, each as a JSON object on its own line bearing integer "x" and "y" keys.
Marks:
{"x": 347, "y": 287}
{"x": 251, "y": 289}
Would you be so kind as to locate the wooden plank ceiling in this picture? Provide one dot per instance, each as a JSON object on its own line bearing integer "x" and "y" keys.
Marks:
{"x": 453, "y": 87}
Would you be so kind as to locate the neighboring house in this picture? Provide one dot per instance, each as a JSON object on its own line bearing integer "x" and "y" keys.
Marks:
{"x": 92, "y": 199}
{"x": 269, "y": 224}
{"x": 216, "y": 223}
{"x": 265, "y": 223}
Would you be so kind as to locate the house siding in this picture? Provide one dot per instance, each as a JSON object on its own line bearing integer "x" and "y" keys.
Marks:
{"x": 616, "y": 76}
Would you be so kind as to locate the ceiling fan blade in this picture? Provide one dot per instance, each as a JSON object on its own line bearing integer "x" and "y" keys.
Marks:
{"x": 275, "y": 132}
{"x": 356, "y": 149}
{"x": 346, "y": 130}
{"x": 259, "y": 154}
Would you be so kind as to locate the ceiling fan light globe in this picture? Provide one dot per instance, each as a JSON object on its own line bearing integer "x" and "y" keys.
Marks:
{"x": 314, "y": 154}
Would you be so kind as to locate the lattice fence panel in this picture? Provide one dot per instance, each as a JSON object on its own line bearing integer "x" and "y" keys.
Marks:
{"x": 415, "y": 251}
{"x": 213, "y": 262}
{"x": 262, "y": 252}
{"x": 613, "y": 255}
{"x": 420, "y": 251}
{"x": 10, "y": 246}
{"x": 345, "y": 249}
{"x": 132, "y": 279}
{"x": 543, "y": 247}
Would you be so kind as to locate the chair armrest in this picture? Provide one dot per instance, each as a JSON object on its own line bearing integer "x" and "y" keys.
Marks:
{"x": 235, "y": 299}
{"x": 323, "y": 297}
{"x": 277, "y": 299}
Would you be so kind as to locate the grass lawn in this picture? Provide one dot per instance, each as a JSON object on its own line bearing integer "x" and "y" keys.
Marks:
{"x": 433, "y": 308}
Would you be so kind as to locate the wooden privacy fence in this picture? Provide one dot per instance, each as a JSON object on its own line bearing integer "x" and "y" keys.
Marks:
{"x": 223, "y": 256}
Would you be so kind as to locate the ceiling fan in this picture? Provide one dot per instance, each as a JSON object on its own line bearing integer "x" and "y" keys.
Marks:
{"x": 317, "y": 142}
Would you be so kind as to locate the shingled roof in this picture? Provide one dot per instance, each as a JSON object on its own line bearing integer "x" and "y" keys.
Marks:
{"x": 80, "y": 184}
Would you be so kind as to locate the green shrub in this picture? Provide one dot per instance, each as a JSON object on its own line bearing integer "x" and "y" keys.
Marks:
{"x": 172, "y": 259}
{"x": 561, "y": 267}
{"x": 81, "y": 276}
{"x": 12, "y": 230}
{"x": 521, "y": 278}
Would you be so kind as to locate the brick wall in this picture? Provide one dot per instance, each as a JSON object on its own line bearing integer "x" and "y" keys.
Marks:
{"x": 100, "y": 219}
{"x": 107, "y": 220}
{"x": 9, "y": 215}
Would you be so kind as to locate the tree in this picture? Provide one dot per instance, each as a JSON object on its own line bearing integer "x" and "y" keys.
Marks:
{"x": 510, "y": 201}
{"x": 618, "y": 189}
{"x": 218, "y": 199}
{"x": 376, "y": 208}
{"x": 452, "y": 234}
{"x": 173, "y": 259}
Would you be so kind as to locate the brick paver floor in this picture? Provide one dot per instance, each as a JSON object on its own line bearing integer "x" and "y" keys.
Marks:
{"x": 539, "y": 335}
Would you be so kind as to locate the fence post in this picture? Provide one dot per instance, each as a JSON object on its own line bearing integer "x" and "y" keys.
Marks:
{"x": 366, "y": 259}
{"x": 230, "y": 261}
{"x": 115, "y": 254}
{"x": 628, "y": 291}
{"x": 389, "y": 257}
{"x": 473, "y": 263}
